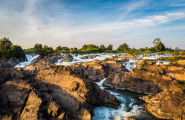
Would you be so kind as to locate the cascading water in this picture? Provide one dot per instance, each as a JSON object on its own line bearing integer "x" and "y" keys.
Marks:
{"x": 101, "y": 56}
{"x": 30, "y": 58}
{"x": 78, "y": 58}
{"x": 130, "y": 107}
{"x": 153, "y": 56}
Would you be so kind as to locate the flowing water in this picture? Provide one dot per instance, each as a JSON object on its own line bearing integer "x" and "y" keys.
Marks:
{"x": 78, "y": 58}
{"x": 130, "y": 102}
{"x": 101, "y": 56}
{"x": 30, "y": 58}
{"x": 130, "y": 107}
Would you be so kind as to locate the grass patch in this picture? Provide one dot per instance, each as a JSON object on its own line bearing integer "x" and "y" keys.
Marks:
{"x": 181, "y": 85}
{"x": 55, "y": 69}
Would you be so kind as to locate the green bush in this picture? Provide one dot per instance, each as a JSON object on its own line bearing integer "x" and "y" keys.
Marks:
{"x": 16, "y": 51}
{"x": 43, "y": 51}
{"x": 55, "y": 69}
{"x": 182, "y": 52}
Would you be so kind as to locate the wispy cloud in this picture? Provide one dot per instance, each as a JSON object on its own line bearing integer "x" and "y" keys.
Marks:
{"x": 55, "y": 26}
{"x": 123, "y": 9}
{"x": 179, "y": 5}
{"x": 131, "y": 7}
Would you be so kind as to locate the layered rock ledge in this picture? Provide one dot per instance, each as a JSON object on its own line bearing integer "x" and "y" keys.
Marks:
{"x": 48, "y": 91}
{"x": 165, "y": 84}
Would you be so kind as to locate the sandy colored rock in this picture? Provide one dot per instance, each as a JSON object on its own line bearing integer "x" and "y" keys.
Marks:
{"x": 32, "y": 107}
{"x": 166, "y": 105}
{"x": 128, "y": 56}
{"x": 53, "y": 109}
{"x": 181, "y": 62}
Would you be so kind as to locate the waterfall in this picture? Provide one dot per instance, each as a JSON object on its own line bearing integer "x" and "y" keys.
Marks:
{"x": 28, "y": 60}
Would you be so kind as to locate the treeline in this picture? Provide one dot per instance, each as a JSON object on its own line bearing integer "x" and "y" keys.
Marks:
{"x": 8, "y": 50}
{"x": 159, "y": 47}
{"x": 45, "y": 50}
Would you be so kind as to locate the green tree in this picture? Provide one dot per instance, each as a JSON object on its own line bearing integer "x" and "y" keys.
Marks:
{"x": 59, "y": 48}
{"x": 38, "y": 49}
{"x": 159, "y": 47}
{"x": 46, "y": 51}
{"x": 157, "y": 41}
{"x": 177, "y": 49}
{"x": 5, "y": 44}
{"x": 17, "y": 51}
{"x": 123, "y": 47}
{"x": 110, "y": 47}
{"x": 102, "y": 47}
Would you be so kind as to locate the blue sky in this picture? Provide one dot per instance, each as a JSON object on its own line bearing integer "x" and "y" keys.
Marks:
{"x": 73, "y": 23}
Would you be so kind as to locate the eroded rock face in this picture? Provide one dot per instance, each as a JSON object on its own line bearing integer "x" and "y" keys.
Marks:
{"x": 47, "y": 91}
{"x": 166, "y": 82}
{"x": 50, "y": 59}
{"x": 17, "y": 92}
{"x": 30, "y": 111}
{"x": 149, "y": 80}
{"x": 68, "y": 57}
{"x": 167, "y": 105}
{"x": 13, "y": 62}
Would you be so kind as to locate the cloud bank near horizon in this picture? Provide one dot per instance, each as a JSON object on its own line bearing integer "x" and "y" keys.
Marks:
{"x": 74, "y": 23}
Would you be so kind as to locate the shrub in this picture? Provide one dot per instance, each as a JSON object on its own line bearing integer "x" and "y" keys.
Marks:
{"x": 55, "y": 69}
{"x": 16, "y": 51}
{"x": 182, "y": 52}
{"x": 143, "y": 64}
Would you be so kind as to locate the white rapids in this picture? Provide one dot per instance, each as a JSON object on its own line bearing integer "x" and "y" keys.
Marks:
{"x": 30, "y": 58}
{"x": 128, "y": 107}
{"x": 153, "y": 56}
{"x": 78, "y": 58}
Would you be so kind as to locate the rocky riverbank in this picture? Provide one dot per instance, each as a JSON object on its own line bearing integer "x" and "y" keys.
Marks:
{"x": 44, "y": 90}
{"x": 47, "y": 91}
{"x": 165, "y": 84}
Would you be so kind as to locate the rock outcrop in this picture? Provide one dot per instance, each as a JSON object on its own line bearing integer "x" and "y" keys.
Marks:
{"x": 48, "y": 91}
{"x": 167, "y": 104}
{"x": 165, "y": 84}
{"x": 128, "y": 56}
{"x": 68, "y": 57}
{"x": 50, "y": 59}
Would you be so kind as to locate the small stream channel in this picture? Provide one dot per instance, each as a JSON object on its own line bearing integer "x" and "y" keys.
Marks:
{"x": 130, "y": 106}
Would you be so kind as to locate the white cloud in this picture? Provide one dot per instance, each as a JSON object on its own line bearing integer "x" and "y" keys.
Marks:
{"x": 29, "y": 26}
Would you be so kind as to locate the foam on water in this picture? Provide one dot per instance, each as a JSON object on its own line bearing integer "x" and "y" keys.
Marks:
{"x": 30, "y": 58}
{"x": 101, "y": 56}
{"x": 153, "y": 56}
{"x": 78, "y": 58}
{"x": 127, "y": 109}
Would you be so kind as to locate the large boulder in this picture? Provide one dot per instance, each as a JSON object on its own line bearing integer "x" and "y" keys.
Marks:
{"x": 17, "y": 92}
{"x": 30, "y": 111}
{"x": 166, "y": 105}
{"x": 50, "y": 59}
{"x": 13, "y": 62}
{"x": 68, "y": 57}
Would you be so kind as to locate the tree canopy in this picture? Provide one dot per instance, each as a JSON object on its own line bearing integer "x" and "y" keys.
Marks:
{"x": 8, "y": 51}
{"x": 5, "y": 44}
{"x": 123, "y": 47}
